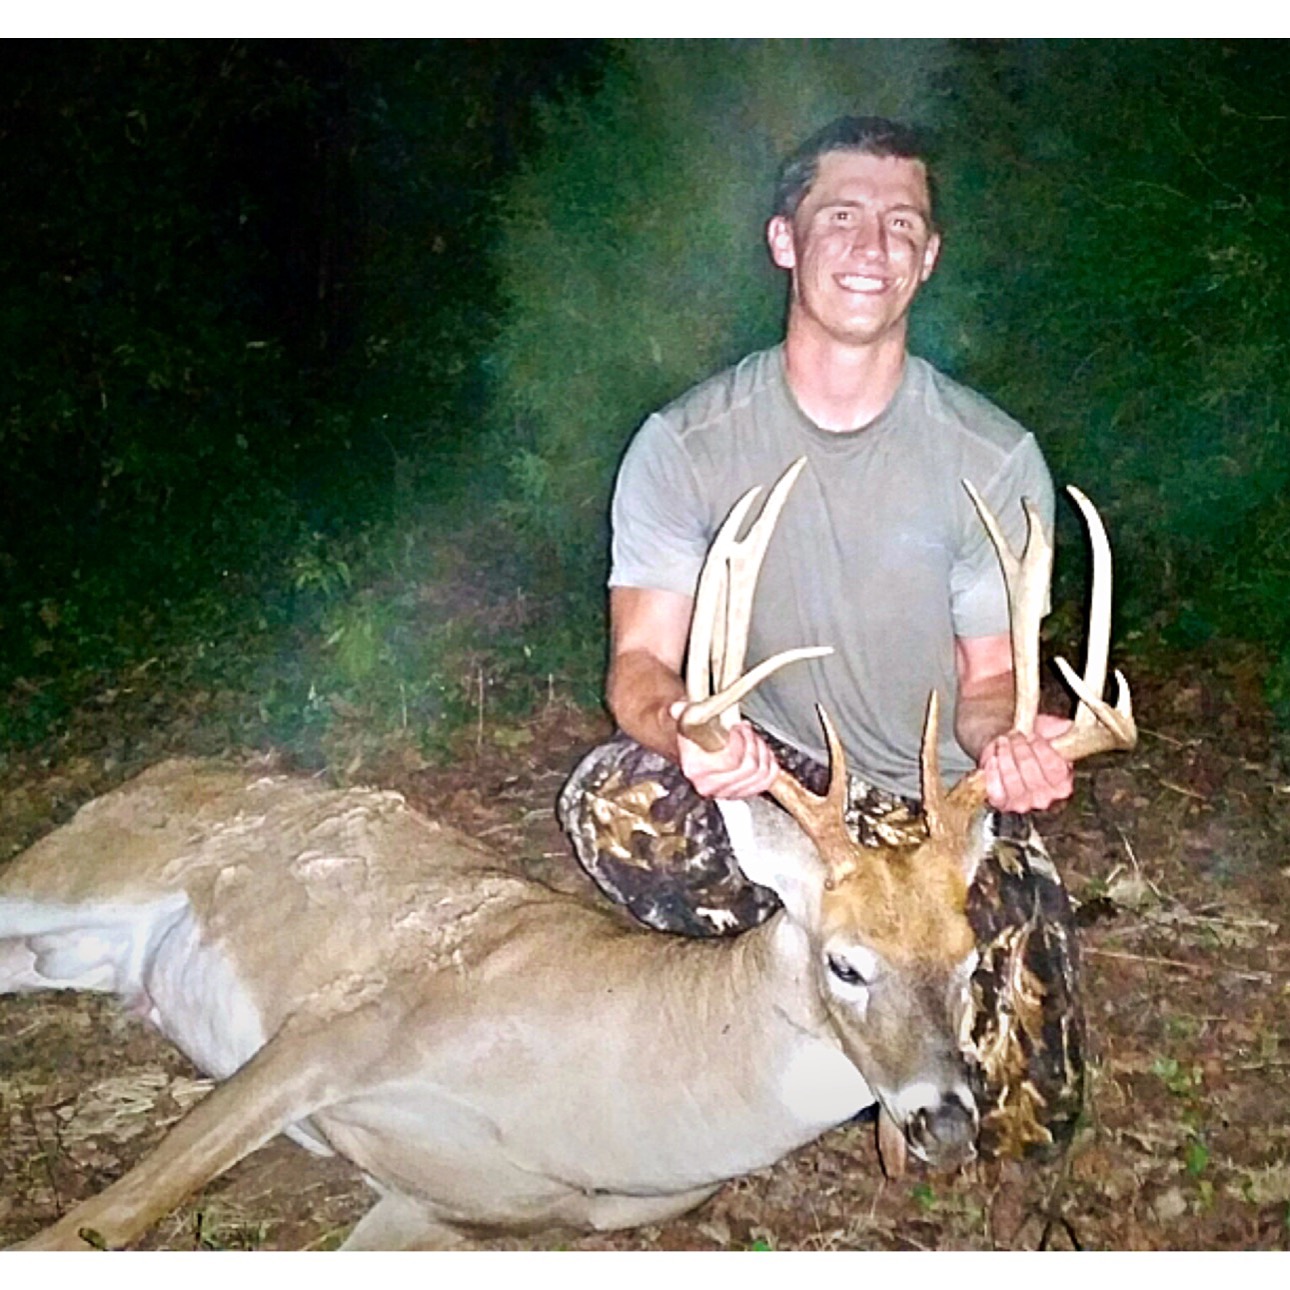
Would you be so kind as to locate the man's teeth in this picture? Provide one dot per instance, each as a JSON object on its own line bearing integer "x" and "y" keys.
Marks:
{"x": 855, "y": 282}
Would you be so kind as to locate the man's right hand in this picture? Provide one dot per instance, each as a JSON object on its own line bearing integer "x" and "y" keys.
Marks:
{"x": 745, "y": 767}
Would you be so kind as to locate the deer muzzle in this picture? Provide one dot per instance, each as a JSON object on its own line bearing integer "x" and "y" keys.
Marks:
{"x": 944, "y": 1134}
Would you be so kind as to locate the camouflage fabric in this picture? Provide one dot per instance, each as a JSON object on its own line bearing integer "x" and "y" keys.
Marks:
{"x": 1026, "y": 1043}
{"x": 655, "y": 846}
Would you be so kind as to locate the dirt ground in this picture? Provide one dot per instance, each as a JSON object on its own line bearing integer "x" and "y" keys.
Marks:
{"x": 1178, "y": 854}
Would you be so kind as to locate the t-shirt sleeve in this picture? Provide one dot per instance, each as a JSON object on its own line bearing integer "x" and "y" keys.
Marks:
{"x": 979, "y": 601}
{"x": 659, "y": 532}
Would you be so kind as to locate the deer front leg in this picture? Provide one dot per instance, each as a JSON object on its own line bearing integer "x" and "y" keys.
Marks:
{"x": 293, "y": 1075}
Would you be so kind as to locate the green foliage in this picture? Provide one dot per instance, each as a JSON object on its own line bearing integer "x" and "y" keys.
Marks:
{"x": 403, "y": 633}
{"x": 242, "y": 302}
{"x": 1114, "y": 276}
{"x": 1196, "y": 1157}
{"x": 1278, "y": 686}
{"x": 1181, "y": 1081}
{"x": 427, "y": 162}
{"x": 151, "y": 425}
{"x": 632, "y": 262}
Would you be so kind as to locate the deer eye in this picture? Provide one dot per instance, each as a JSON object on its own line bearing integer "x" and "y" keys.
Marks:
{"x": 846, "y": 971}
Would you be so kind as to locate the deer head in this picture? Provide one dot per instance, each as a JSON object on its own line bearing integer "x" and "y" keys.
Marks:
{"x": 886, "y": 927}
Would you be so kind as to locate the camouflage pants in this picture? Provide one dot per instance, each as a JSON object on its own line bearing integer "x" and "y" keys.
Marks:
{"x": 655, "y": 846}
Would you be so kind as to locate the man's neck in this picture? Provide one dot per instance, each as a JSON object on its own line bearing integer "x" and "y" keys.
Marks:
{"x": 842, "y": 387}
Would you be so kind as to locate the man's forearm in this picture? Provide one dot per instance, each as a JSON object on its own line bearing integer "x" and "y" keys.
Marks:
{"x": 639, "y": 691}
{"x": 984, "y": 713}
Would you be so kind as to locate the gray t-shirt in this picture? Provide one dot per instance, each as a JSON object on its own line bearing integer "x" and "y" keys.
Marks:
{"x": 878, "y": 552}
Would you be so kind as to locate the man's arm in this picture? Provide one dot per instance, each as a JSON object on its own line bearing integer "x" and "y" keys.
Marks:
{"x": 1021, "y": 774}
{"x": 645, "y": 693}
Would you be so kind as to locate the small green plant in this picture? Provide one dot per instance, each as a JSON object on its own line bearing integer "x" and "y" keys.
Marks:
{"x": 318, "y": 567}
{"x": 1182, "y": 1081}
{"x": 1196, "y": 1157}
{"x": 924, "y": 1197}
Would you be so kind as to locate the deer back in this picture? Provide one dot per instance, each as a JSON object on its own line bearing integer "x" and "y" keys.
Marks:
{"x": 279, "y": 885}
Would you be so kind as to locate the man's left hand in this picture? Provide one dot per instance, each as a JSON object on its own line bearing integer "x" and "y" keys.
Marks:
{"x": 1024, "y": 772}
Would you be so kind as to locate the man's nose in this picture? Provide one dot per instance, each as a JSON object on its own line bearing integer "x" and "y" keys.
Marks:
{"x": 869, "y": 239}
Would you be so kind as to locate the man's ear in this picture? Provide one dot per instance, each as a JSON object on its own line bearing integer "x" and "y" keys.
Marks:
{"x": 930, "y": 256}
{"x": 779, "y": 237}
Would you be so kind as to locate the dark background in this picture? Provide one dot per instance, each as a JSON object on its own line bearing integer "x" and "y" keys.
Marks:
{"x": 295, "y": 333}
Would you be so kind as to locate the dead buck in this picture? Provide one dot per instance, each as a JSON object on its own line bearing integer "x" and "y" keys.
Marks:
{"x": 491, "y": 1053}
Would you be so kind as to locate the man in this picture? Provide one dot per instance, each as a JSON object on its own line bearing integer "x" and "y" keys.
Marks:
{"x": 878, "y": 552}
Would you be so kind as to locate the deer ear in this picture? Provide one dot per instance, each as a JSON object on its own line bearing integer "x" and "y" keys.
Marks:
{"x": 773, "y": 851}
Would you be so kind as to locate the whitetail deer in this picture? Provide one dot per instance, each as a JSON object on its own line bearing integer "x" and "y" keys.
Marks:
{"x": 491, "y": 1053}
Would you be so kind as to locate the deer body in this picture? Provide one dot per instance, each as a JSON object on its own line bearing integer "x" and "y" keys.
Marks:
{"x": 488, "y": 1051}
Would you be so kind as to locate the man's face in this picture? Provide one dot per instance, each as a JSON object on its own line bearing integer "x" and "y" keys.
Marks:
{"x": 858, "y": 248}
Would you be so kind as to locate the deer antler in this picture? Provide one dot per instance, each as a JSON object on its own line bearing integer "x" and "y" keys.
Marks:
{"x": 722, "y": 613}
{"x": 1098, "y": 726}
{"x": 718, "y": 641}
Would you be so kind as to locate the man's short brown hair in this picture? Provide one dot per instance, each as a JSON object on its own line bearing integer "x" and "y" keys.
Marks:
{"x": 874, "y": 136}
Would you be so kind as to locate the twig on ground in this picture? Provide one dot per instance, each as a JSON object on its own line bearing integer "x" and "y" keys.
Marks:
{"x": 1201, "y": 969}
{"x": 1178, "y": 788}
{"x": 1168, "y": 739}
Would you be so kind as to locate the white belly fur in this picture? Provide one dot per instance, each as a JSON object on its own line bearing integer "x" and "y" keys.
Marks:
{"x": 197, "y": 1001}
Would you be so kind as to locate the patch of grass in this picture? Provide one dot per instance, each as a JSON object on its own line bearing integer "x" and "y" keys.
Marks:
{"x": 221, "y": 1227}
{"x": 924, "y": 1197}
{"x": 1182, "y": 1081}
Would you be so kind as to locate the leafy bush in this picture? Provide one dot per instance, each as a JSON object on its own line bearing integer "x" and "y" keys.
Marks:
{"x": 243, "y": 297}
{"x": 151, "y": 420}
{"x": 632, "y": 261}
{"x": 1114, "y": 276}
{"x": 1117, "y": 272}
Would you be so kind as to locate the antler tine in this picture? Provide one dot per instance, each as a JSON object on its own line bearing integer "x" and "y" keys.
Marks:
{"x": 712, "y": 604}
{"x": 929, "y": 761}
{"x": 1027, "y": 579}
{"x": 823, "y": 819}
{"x": 744, "y": 564}
{"x": 722, "y": 611}
{"x": 718, "y": 641}
{"x": 1098, "y": 727}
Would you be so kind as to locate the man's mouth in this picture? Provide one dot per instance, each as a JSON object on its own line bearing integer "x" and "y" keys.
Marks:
{"x": 861, "y": 283}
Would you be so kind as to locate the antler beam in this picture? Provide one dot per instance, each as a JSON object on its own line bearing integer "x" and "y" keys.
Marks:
{"x": 714, "y": 679}
{"x": 716, "y": 682}
{"x": 1098, "y": 726}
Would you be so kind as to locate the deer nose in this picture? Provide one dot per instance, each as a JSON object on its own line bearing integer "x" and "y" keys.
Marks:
{"x": 944, "y": 1134}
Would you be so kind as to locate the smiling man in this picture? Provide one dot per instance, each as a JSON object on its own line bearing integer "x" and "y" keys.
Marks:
{"x": 878, "y": 552}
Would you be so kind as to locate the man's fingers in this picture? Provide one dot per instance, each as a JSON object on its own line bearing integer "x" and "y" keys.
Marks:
{"x": 1025, "y": 774}
{"x": 745, "y": 767}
